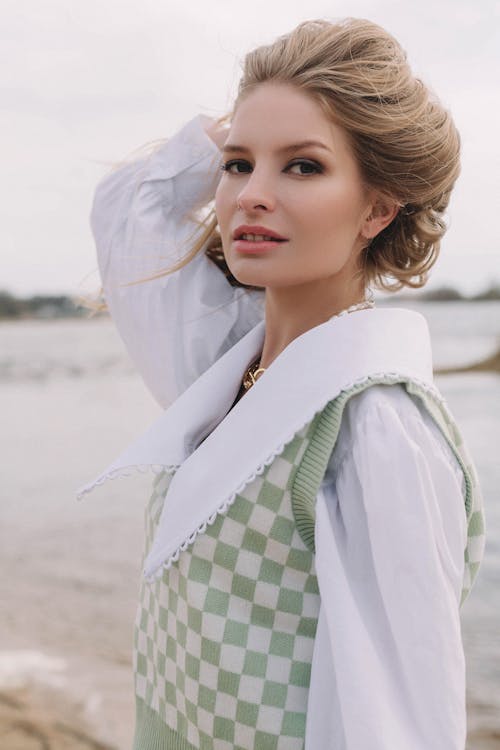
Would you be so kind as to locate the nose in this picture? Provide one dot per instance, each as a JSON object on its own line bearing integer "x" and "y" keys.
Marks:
{"x": 257, "y": 193}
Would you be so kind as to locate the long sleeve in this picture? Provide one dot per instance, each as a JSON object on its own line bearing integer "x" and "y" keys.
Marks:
{"x": 389, "y": 669}
{"x": 143, "y": 221}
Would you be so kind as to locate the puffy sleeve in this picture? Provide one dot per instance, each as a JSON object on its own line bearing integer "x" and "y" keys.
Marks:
{"x": 390, "y": 539}
{"x": 143, "y": 219}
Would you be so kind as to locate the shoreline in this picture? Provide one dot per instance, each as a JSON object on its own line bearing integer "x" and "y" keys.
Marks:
{"x": 489, "y": 364}
{"x": 41, "y": 717}
{"x": 43, "y": 706}
{"x": 44, "y": 718}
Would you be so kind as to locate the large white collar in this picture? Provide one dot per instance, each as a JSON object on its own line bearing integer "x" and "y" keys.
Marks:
{"x": 313, "y": 369}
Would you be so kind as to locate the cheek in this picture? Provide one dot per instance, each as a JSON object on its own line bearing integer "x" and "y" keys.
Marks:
{"x": 336, "y": 210}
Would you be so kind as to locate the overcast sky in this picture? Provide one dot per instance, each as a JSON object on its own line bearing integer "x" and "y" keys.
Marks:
{"x": 85, "y": 83}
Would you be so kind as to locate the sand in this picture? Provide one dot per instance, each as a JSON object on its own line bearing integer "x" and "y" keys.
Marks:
{"x": 43, "y": 719}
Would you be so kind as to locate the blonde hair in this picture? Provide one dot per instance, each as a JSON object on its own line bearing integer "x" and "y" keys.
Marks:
{"x": 404, "y": 140}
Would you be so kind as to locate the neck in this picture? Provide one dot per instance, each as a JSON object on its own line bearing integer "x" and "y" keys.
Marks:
{"x": 290, "y": 312}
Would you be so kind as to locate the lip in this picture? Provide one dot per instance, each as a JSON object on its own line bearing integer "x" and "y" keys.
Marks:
{"x": 256, "y": 229}
{"x": 255, "y": 248}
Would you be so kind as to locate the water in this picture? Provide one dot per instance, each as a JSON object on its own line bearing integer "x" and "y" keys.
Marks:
{"x": 70, "y": 401}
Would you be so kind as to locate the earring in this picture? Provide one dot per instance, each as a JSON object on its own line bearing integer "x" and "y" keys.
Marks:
{"x": 408, "y": 210}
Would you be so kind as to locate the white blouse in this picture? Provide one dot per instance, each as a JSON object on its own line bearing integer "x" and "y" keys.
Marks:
{"x": 388, "y": 669}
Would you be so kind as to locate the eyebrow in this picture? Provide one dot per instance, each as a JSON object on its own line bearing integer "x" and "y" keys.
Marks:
{"x": 233, "y": 147}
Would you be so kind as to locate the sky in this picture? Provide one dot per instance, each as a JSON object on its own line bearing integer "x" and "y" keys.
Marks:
{"x": 83, "y": 84}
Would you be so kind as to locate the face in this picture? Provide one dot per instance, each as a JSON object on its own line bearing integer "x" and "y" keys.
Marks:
{"x": 311, "y": 195}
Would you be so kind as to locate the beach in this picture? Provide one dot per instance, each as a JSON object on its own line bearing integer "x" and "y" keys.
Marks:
{"x": 71, "y": 401}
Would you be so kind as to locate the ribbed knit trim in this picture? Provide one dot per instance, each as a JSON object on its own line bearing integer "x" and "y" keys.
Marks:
{"x": 434, "y": 410}
{"x": 311, "y": 470}
{"x": 310, "y": 473}
{"x": 151, "y": 732}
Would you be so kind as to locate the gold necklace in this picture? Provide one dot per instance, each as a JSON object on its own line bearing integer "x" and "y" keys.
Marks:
{"x": 254, "y": 372}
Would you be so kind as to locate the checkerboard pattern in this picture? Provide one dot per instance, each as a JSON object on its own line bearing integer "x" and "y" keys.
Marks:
{"x": 224, "y": 640}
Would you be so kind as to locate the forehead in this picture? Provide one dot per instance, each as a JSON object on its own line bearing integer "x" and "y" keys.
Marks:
{"x": 276, "y": 114}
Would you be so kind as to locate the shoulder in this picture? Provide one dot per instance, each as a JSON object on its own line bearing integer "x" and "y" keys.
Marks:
{"x": 387, "y": 415}
{"x": 380, "y": 399}
{"x": 379, "y": 407}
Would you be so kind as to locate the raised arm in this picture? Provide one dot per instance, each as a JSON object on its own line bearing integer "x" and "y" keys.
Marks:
{"x": 391, "y": 533}
{"x": 175, "y": 326}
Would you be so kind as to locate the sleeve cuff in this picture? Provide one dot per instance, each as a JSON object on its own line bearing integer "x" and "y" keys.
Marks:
{"x": 186, "y": 148}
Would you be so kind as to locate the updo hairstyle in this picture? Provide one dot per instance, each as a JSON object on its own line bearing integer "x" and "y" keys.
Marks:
{"x": 404, "y": 140}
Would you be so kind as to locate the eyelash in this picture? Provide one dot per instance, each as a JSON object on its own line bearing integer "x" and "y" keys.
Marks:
{"x": 318, "y": 169}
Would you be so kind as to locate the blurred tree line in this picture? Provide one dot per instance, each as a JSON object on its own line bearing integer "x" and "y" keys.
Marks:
{"x": 39, "y": 306}
{"x": 450, "y": 294}
{"x": 65, "y": 306}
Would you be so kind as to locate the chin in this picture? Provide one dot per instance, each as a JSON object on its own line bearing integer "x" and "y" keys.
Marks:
{"x": 253, "y": 271}
{"x": 251, "y": 280}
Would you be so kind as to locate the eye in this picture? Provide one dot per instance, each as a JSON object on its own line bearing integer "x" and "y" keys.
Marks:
{"x": 227, "y": 166}
{"x": 311, "y": 165}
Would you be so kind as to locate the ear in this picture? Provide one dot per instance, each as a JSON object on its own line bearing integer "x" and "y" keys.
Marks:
{"x": 380, "y": 214}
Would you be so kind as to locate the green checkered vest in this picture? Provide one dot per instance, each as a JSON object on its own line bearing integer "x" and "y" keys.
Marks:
{"x": 224, "y": 639}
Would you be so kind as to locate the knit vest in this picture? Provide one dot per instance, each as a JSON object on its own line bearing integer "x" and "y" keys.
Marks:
{"x": 224, "y": 639}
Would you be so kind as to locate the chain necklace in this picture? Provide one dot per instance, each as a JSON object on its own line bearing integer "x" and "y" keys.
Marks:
{"x": 254, "y": 372}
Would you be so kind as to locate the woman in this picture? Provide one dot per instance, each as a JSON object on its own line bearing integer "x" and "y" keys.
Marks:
{"x": 315, "y": 523}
